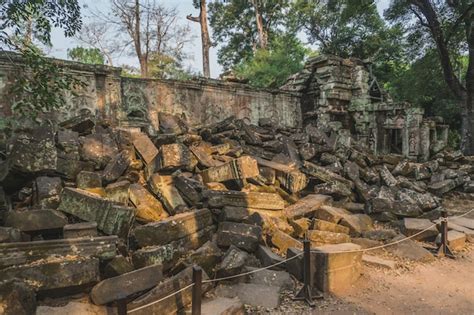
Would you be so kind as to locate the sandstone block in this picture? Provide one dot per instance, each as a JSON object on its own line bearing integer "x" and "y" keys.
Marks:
{"x": 149, "y": 208}
{"x": 241, "y": 235}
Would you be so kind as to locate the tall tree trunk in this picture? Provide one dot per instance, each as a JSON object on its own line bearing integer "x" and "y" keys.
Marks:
{"x": 467, "y": 135}
{"x": 206, "y": 42}
{"x": 262, "y": 33}
{"x": 138, "y": 43}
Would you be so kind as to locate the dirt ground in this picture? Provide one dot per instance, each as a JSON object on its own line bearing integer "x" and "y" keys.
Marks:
{"x": 444, "y": 286}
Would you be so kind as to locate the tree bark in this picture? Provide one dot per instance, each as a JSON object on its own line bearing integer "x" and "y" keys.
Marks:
{"x": 206, "y": 42}
{"x": 467, "y": 134}
{"x": 262, "y": 33}
{"x": 137, "y": 42}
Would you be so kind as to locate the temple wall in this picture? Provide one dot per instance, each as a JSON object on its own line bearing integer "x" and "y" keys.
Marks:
{"x": 136, "y": 102}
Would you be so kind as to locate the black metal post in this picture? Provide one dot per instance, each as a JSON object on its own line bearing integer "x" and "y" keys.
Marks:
{"x": 443, "y": 249}
{"x": 197, "y": 290}
{"x": 306, "y": 292}
{"x": 122, "y": 307}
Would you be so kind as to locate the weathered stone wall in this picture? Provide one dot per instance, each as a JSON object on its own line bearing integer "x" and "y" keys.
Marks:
{"x": 136, "y": 102}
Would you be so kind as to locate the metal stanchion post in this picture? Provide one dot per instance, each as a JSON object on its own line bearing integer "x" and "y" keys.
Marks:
{"x": 197, "y": 290}
{"x": 306, "y": 292}
{"x": 443, "y": 249}
{"x": 122, "y": 307}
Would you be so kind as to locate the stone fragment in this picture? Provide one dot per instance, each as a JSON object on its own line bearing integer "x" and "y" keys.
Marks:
{"x": 456, "y": 240}
{"x": 144, "y": 147}
{"x": 442, "y": 187}
{"x": 269, "y": 223}
{"x": 237, "y": 169}
{"x": 165, "y": 288}
{"x": 357, "y": 223}
{"x": 116, "y": 166}
{"x": 325, "y": 175}
{"x": 118, "y": 191}
{"x": 34, "y": 151}
{"x": 295, "y": 265}
{"x": 378, "y": 262}
{"x": 207, "y": 257}
{"x": 103, "y": 247}
{"x": 82, "y": 123}
{"x": 406, "y": 209}
{"x": 453, "y": 226}
{"x": 387, "y": 177}
{"x": 111, "y": 218}
{"x": 232, "y": 263}
{"x": 162, "y": 186}
{"x": 190, "y": 189}
{"x": 171, "y": 123}
{"x": 83, "y": 229}
{"x": 258, "y": 200}
{"x": 127, "y": 284}
{"x": 9, "y": 234}
{"x": 283, "y": 241}
{"x": 319, "y": 238}
{"x": 329, "y": 227}
{"x": 379, "y": 235}
{"x": 462, "y": 221}
{"x": 335, "y": 189}
{"x": 69, "y": 167}
{"x": 222, "y": 306}
{"x": 234, "y": 214}
{"x": 69, "y": 273}
{"x": 175, "y": 156}
{"x": 169, "y": 254}
{"x": 409, "y": 249}
{"x": 306, "y": 206}
{"x": 272, "y": 278}
{"x": 17, "y": 298}
{"x": 339, "y": 266}
{"x": 413, "y": 226}
{"x": 331, "y": 214}
{"x": 241, "y": 235}
{"x": 35, "y": 220}
{"x": 149, "y": 209}
{"x": 203, "y": 155}
{"x": 98, "y": 148}
{"x": 47, "y": 190}
{"x": 119, "y": 265}
{"x": 290, "y": 178}
{"x": 172, "y": 228}
{"x": 268, "y": 258}
{"x": 87, "y": 179}
{"x": 300, "y": 226}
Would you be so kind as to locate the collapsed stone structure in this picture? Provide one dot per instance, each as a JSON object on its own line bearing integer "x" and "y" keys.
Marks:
{"x": 344, "y": 95}
{"x": 330, "y": 92}
{"x": 121, "y": 210}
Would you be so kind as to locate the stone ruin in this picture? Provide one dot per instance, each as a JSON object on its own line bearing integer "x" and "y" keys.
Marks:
{"x": 343, "y": 95}
{"x": 119, "y": 201}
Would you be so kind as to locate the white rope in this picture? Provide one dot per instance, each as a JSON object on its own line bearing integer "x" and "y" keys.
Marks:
{"x": 286, "y": 260}
{"x": 384, "y": 245}
{"x": 162, "y": 299}
{"x": 252, "y": 271}
{"x": 460, "y": 216}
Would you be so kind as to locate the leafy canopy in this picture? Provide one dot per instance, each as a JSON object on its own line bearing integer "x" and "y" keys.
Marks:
{"x": 86, "y": 55}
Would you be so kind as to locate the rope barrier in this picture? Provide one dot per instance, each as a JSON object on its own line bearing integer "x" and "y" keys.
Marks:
{"x": 460, "y": 216}
{"x": 162, "y": 299}
{"x": 384, "y": 245}
{"x": 252, "y": 271}
{"x": 294, "y": 257}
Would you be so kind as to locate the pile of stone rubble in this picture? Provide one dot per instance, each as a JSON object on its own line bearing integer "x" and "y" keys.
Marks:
{"x": 123, "y": 215}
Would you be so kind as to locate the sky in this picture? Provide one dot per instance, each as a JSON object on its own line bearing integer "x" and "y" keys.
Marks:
{"x": 60, "y": 43}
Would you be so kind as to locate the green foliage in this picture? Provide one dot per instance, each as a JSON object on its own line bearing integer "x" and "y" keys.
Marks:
{"x": 269, "y": 68}
{"x": 234, "y": 27}
{"x": 86, "y": 55}
{"x": 40, "y": 85}
{"x": 41, "y": 15}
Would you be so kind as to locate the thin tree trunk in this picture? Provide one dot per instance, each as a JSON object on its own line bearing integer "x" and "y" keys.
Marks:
{"x": 262, "y": 34}
{"x": 137, "y": 42}
{"x": 206, "y": 42}
{"x": 467, "y": 134}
